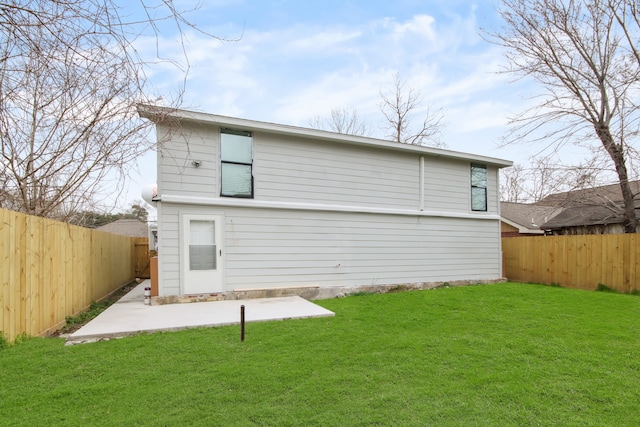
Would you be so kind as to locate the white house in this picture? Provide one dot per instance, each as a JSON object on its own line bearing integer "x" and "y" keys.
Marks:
{"x": 246, "y": 205}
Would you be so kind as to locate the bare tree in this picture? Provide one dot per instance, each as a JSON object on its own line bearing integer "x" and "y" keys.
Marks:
{"x": 70, "y": 81}
{"x": 344, "y": 120}
{"x": 400, "y": 106}
{"x": 627, "y": 16}
{"x": 584, "y": 55}
{"x": 542, "y": 177}
{"x": 512, "y": 184}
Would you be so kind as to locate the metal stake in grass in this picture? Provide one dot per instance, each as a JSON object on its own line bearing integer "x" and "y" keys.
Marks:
{"x": 242, "y": 323}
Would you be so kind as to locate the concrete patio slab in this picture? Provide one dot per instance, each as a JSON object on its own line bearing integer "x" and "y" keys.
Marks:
{"x": 131, "y": 316}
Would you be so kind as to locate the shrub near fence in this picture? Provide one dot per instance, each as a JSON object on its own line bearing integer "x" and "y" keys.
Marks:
{"x": 51, "y": 270}
{"x": 581, "y": 261}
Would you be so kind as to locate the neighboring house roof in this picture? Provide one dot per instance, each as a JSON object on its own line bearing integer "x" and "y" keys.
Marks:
{"x": 583, "y": 215}
{"x": 587, "y": 216}
{"x": 169, "y": 115}
{"x": 605, "y": 195}
{"x": 527, "y": 217}
{"x": 126, "y": 227}
{"x": 584, "y": 207}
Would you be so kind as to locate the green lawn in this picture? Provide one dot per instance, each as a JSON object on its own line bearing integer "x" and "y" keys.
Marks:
{"x": 487, "y": 355}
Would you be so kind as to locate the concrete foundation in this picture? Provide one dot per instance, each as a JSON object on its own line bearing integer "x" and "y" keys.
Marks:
{"x": 313, "y": 292}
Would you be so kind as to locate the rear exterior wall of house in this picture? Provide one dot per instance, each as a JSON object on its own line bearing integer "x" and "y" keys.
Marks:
{"x": 326, "y": 214}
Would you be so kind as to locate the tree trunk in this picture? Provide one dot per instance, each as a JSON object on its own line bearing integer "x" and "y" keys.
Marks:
{"x": 617, "y": 155}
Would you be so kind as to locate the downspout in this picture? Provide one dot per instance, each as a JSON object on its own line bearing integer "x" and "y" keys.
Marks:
{"x": 421, "y": 183}
{"x": 499, "y": 210}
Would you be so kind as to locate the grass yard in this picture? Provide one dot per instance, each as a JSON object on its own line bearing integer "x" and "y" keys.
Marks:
{"x": 488, "y": 355}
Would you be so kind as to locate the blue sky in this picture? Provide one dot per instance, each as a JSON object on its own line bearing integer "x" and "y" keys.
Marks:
{"x": 295, "y": 60}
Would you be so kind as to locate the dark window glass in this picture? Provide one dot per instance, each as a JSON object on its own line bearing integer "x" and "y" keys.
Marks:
{"x": 236, "y": 163}
{"x": 478, "y": 188}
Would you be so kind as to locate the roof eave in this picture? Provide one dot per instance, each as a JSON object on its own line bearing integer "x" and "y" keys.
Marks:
{"x": 521, "y": 228}
{"x": 163, "y": 114}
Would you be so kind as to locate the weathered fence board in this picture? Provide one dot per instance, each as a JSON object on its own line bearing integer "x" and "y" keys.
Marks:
{"x": 580, "y": 261}
{"x": 51, "y": 270}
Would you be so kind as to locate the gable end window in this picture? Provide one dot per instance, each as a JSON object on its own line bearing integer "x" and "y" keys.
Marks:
{"x": 478, "y": 188}
{"x": 236, "y": 163}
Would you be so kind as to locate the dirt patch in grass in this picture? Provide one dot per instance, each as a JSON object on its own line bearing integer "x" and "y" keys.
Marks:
{"x": 73, "y": 323}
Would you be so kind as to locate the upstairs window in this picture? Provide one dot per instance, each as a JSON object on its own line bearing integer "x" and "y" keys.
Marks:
{"x": 478, "y": 188}
{"x": 236, "y": 163}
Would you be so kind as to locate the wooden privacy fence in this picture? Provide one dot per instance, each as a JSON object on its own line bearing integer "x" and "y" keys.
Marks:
{"x": 51, "y": 270}
{"x": 142, "y": 257}
{"x": 581, "y": 261}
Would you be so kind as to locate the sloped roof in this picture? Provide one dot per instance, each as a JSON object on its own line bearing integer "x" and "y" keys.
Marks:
{"x": 589, "y": 206}
{"x": 527, "y": 217}
{"x": 126, "y": 227}
{"x": 607, "y": 194}
{"x": 586, "y": 215}
{"x": 168, "y": 115}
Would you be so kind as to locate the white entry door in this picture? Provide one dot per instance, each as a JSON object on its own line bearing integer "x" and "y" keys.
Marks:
{"x": 202, "y": 254}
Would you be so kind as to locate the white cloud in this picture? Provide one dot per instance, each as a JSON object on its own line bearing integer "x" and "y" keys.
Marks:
{"x": 341, "y": 88}
{"x": 420, "y": 26}
{"x": 480, "y": 116}
{"x": 296, "y": 67}
{"x": 290, "y": 74}
{"x": 323, "y": 41}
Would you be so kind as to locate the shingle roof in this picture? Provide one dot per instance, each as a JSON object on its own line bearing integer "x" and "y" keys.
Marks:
{"x": 126, "y": 227}
{"x": 587, "y": 215}
{"x": 589, "y": 206}
{"x": 607, "y": 194}
{"x": 528, "y": 215}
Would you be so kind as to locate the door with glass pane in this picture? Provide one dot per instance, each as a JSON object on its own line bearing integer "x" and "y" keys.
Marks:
{"x": 202, "y": 254}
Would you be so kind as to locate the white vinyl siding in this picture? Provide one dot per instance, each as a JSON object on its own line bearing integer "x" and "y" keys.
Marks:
{"x": 307, "y": 171}
{"x": 273, "y": 248}
{"x": 168, "y": 251}
{"x": 286, "y": 169}
{"x": 493, "y": 186}
{"x": 341, "y": 214}
{"x": 177, "y": 150}
{"x": 446, "y": 185}
{"x": 341, "y": 249}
